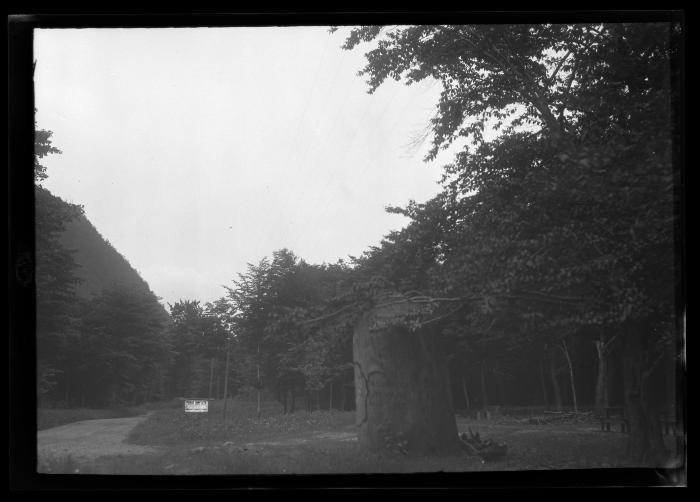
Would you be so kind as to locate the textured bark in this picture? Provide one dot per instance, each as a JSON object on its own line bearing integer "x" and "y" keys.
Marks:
{"x": 401, "y": 388}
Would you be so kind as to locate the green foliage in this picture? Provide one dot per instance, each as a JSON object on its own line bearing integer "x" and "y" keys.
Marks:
{"x": 100, "y": 330}
{"x": 100, "y": 265}
{"x": 577, "y": 226}
{"x": 271, "y": 305}
{"x": 123, "y": 348}
{"x": 56, "y": 278}
{"x": 42, "y": 148}
{"x": 563, "y": 224}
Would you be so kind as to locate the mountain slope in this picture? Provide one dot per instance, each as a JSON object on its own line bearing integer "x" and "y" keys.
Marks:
{"x": 100, "y": 265}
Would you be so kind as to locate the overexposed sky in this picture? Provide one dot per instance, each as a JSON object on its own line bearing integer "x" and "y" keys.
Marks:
{"x": 196, "y": 151}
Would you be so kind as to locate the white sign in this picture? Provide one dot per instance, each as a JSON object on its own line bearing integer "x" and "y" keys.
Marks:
{"x": 196, "y": 405}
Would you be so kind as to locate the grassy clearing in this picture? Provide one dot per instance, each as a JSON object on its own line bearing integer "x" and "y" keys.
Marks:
{"x": 544, "y": 449}
{"x": 53, "y": 417}
{"x": 172, "y": 426}
{"x": 323, "y": 442}
{"x": 339, "y": 458}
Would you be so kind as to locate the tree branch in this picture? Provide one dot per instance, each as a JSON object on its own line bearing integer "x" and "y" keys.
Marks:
{"x": 556, "y": 70}
{"x": 441, "y": 317}
{"x": 333, "y": 314}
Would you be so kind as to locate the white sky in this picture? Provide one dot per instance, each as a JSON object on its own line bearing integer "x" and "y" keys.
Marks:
{"x": 196, "y": 151}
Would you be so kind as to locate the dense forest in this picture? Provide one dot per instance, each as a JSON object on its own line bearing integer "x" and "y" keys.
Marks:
{"x": 547, "y": 266}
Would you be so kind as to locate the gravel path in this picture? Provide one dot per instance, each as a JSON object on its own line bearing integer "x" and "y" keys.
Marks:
{"x": 89, "y": 439}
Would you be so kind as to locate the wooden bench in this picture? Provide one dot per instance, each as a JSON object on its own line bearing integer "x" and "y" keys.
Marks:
{"x": 613, "y": 416}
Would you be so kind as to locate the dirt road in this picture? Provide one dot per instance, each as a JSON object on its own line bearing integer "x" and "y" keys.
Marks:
{"x": 89, "y": 439}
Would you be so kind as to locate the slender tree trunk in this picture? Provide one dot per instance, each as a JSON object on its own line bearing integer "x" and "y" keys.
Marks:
{"x": 293, "y": 395}
{"x": 149, "y": 390}
{"x": 646, "y": 444}
{"x": 545, "y": 399}
{"x": 565, "y": 349}
{"x": 211, "y": 378}
{"x": 67, "y": 397}
{"x": 228, "y": 352}
{"x": 259, "y": 383}
{"x": 501, "y": 389}
{"x": 602, "y": 398}
{"x": 555, "y": 381}
{"x": 402, "y": 390}
{"x": 466, "y": 394}
{"x": 484, "y": 393}
{"x": 330, "y": 397}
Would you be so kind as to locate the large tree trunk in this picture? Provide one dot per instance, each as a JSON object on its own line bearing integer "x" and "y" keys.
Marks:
{"x": 402, "y": 388}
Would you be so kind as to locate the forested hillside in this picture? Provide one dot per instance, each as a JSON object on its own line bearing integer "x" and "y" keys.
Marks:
{"x": 102, "y": 335}
{"x": 100, "y": 265}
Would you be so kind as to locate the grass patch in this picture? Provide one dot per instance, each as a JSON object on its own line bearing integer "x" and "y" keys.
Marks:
{"x": 53, "y": 417}
{"x": 172, "y": 426}
{"x": 58, "y": 465}
{"x": 341, "y": 458}
{"x": 528, "y": 451}
{"x": 322, "y": 442}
